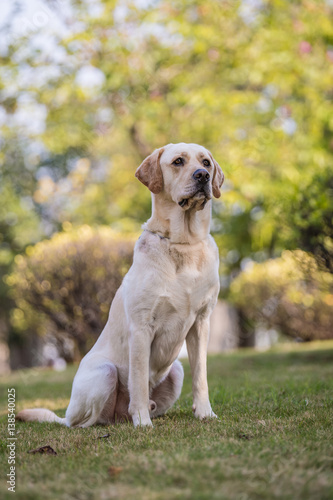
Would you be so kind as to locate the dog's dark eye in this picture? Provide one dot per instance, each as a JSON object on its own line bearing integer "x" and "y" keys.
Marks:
{"x": 179, "y": 161}
{"x": 206, "y": 163}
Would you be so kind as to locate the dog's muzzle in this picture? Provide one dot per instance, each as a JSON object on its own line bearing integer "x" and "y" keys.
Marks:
{"x": 200, "y": 190}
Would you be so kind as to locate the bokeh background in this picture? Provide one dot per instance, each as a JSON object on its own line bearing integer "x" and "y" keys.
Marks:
{"x": 89, "y": 88}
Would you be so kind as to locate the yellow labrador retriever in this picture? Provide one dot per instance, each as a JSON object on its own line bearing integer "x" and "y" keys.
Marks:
{"x": 166, "y": 297}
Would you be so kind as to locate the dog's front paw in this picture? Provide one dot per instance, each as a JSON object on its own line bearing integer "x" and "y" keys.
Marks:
{"x": 202, "y": 411}
{"x": 141, "y": 419}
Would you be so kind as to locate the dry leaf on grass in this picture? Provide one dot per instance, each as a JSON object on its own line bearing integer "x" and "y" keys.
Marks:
{"x": 114, "y": 471}
{"x": 47, "y": 449}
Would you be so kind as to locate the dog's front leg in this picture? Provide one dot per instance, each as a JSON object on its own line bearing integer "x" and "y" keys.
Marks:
{"x": 196, "y": 341}
{"x": 138, "y": 378}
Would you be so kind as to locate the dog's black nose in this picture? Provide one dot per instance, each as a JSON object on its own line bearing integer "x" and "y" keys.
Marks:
{"x": 201, "y": 176}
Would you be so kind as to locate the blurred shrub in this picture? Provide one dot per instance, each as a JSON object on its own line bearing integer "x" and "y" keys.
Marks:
{"x": 291, "y": 294}
{"x": 65, "y": 285}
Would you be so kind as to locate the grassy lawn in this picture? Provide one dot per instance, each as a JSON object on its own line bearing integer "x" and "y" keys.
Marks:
{"x": 274, "y": 438}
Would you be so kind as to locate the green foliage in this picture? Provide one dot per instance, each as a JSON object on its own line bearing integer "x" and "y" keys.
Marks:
{"x": 254, "y": 86}
{"x": 66, "y": 284}
{"x": 311, "y": 219}
{"x": 19, "y": 226}
{"x": 292, "y": 294}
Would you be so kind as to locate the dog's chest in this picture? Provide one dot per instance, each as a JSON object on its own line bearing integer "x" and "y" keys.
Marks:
{"x": 190, "y": 291}
{"x": 169, "y": 285}
{"x": 190, "y": 284}
{"x": 166, "y": 290}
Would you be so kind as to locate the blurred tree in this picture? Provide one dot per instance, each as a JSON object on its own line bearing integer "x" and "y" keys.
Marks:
{"x": 252, "y": 81}
{"x": 310, "y": 216}
{"x": 19, "y": 222}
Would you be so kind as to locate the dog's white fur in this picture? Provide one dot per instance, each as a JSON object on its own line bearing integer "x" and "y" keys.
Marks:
{"x": 166, "y": 297}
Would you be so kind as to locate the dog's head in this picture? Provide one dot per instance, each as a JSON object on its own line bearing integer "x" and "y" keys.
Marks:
{"x": 186, "y": 173}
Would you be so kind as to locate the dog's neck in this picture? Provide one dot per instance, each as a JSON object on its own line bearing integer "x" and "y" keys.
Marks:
{"x": 180, "y": 226}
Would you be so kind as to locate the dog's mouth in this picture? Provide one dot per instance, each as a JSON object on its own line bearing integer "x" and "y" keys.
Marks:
{"x": 183, "y": 202}
{"x": 199, "y": 198}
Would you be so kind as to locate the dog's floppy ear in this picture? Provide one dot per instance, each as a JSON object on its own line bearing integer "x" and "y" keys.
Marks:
{"x": 218, "y": 178}
{"x": 150, "y": 173}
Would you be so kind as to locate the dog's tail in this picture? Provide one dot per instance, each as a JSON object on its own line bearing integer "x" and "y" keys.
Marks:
{"x": 39, "y": 415}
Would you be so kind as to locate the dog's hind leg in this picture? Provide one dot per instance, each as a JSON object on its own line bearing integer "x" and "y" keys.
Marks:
{"x": 168, "y": 391}
{"x": 94, "y": 395}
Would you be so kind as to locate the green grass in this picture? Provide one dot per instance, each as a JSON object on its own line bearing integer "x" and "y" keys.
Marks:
{"x": 273, "y": 440}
